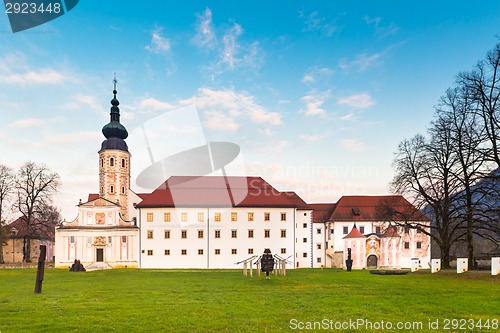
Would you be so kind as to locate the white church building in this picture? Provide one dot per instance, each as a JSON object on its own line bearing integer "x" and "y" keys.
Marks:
{"x": 217, "y": 221}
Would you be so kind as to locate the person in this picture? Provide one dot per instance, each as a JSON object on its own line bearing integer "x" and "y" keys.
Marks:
{"x": 267, "y": 262}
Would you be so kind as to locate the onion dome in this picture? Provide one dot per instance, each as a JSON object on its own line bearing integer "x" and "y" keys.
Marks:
{"x": 114, "y": 132}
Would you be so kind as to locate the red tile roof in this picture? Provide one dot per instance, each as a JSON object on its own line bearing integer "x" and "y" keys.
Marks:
{"x": 376, "y": 208}
{"x": 209, "y": 191}
{"x": 36, "y": 229}
{"x": 355, "y": 233}
{"x": 300, "y": 204}
{"x": 322, "y": 211}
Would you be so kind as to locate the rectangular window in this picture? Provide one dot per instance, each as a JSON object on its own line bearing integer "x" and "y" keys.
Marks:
{"x": 200, "y": 252}
{"x": 318, "y": 231}
{"x": 250, "y": 233}
{"x": 419, "y": 245}
{"x": 217, "y": 217}
{"x": 89, "y": 239}
{"x": 166, "y": 234}
{"x": 124, "y": 239}
{"x": 304, "y": 240}
{"x": 184, "y": 234}
{"x": 201, "y": 217}
{"x": 377, "y": 230}
{"x": 318, "y": 260}
{"x": 250, "y": 217}
{"x": 283, "y": 216}
{"x": 110, "y": 239}
{"x": 149, "y": 217}
{"x": 217, "y": 233}
{"x": 267, "y": 216}
{"x": 318, "y": 246}
{"x": 407, "y": 229}
{"x": 150, "y": 252}
{"x": 407, "y": 245}
{"x": 346, "y": 230}
{"x": 234, "y": 233}
{"x": 250, "y": 251}
{"x": 167, "y": 252}
{"x": 234, "y": 217}
{"x": 304, "y": 225}
{"x": 166, "y": 217}
{"x": 150, "y": 234}
{"x": 234, "y": 251}
{"x": 304, "y": 255}
{"x": 184, "y": 217}
{"x": 184, "y": 252}
{"x": 362, "y": 230}
{"x": 267, "y": 233}
{"x": 200, "y": 233}
{"x": 283, "y": 250}
{"x": 283, "y": 233}
{"x": 217, "y": 251}
{"x": 72, "y": 239}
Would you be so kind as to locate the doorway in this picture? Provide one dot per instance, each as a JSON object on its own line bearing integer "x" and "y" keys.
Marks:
{"x": 372, "y": 261}
{"x": 99, "y": 253}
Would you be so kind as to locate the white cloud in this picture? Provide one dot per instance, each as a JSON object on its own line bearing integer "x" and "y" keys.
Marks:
{"x": 362, "y": 62}
{"x": 311, "y": 138}
{"x": 152, "y": 105}
{"x": 353, "y": 145}
{"x": 159, "y": 43}
{"x": 79, "y": 101}
{"x": 68, "y": 139}
{"x": 382, "y": 31}
{"x": 217, "y": 120}
{"x": 233, "y": 104}
{"x": 231, "y": 46}
{"x": 314, "y": 103}
{"x": 27, "y": 123}
{"x": 359, "y": 101}
{"x": 308, "y": 78}
{"x": 205, "y": 35}
{"x": 43, "y": 76}
{"x": 315, "y": 22}
{"x": 350, "y": 116}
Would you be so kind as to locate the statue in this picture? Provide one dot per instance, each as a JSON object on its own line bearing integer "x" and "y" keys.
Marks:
{"x": 348, "y": 262}
{"x": 267, "y": 262}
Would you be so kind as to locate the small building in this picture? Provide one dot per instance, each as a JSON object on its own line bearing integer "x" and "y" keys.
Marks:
{"x": 41, "y": 234}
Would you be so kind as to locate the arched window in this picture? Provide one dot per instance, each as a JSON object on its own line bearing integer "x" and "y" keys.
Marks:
{"x": 123, "y": 189}
{"x": 123, "y": 163}
{"x": 102, "y": 189}
{"x": 111, "y": 161}
{"x": 102, "y": 162}
{"x": 112, "y": 189}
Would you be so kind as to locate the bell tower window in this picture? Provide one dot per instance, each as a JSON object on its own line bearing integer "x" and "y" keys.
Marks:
{"x": 123, "y": 189}
{"x": 112, "y": 189}
{"x": 111, "y": 161}
{"x": 123, "y": 163}
{"x": 102, "y": 162}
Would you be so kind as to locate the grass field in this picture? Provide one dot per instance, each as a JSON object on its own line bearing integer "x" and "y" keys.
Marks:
{"x": 225, "y": 301}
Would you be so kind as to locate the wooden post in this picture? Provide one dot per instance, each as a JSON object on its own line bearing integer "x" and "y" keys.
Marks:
{"x": 258, "y": 268}
{"x": 283, "y": 269}
{"x": 40, "y": 270}
{"x": 251, "y": 268}
{"x": 245, "y": 268}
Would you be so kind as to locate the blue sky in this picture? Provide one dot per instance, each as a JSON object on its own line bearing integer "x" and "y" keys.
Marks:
{"x": 318, "y": 94}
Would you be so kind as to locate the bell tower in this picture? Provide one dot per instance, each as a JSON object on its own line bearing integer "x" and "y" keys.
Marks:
{"x": 114, "y": 160}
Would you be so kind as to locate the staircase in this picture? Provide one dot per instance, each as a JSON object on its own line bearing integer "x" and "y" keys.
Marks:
{"x": 99, "y": 265}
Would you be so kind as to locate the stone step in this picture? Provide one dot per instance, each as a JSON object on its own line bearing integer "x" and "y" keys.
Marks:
{"x": 97, "y": 266}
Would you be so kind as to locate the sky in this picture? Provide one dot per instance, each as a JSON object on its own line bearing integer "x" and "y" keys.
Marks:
{"x": 317, "y": 94}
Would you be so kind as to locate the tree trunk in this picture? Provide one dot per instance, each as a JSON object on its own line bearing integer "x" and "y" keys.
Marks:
{"x": 2, "y": 261}
{"x": 27, "y": 250}
{"x": 445, "y": 255}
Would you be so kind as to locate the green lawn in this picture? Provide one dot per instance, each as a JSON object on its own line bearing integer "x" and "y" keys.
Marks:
{"x": 225, "y": 301}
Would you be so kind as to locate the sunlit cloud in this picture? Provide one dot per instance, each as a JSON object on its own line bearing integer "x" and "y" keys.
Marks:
{"x": 358, "y": 101}
{"x": 205, "y": 35}
{"x": 353, "y": 145}
{"x": 314, "y": 103}
{"x": 27, "y": 123}
{"x": 159, "y": 43}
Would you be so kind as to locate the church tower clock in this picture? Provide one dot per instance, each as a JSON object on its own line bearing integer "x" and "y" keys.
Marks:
{"x": 114, "y": 161}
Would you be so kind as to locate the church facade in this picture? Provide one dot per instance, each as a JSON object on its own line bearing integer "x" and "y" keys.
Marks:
{"x": 218, "y": 221}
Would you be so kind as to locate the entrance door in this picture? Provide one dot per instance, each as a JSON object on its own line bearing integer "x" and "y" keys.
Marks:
{"x": 372, "y": 261}
{"x": 99, "y": 255}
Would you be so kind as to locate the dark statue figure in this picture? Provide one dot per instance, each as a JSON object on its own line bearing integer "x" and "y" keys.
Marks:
{"x": 77, "y": 267}
{"x": 348, "y": 262}
{"x": 267, "y": 262}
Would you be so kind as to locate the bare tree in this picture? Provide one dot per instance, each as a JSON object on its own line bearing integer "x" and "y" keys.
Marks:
{"x": 6, "y": 189}
{"x": 35, "y": 184}
{"x": 423, "y": 172}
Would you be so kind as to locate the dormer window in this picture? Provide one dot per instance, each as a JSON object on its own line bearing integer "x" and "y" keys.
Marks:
{"x": 356, "y": 211}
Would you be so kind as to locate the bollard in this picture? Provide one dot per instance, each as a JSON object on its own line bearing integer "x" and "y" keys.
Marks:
{"x": 40, "y": 270}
